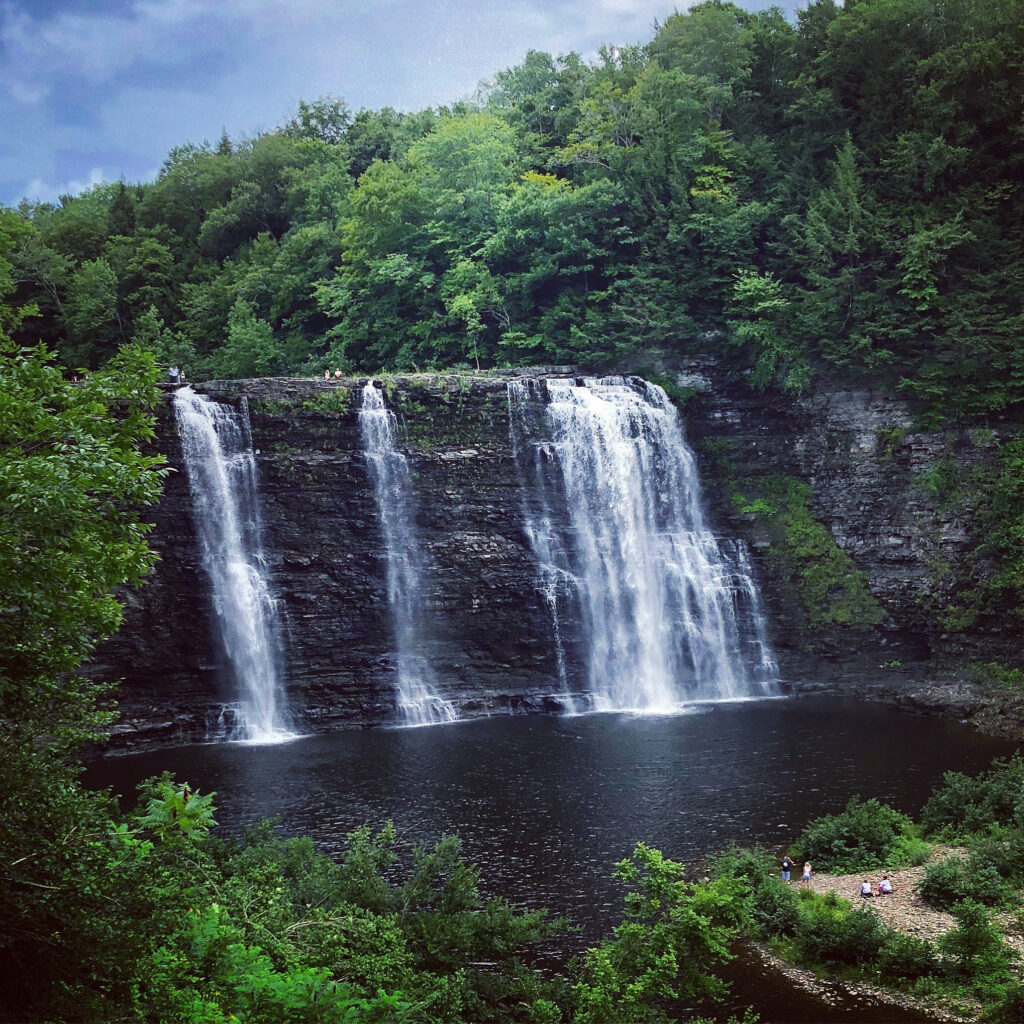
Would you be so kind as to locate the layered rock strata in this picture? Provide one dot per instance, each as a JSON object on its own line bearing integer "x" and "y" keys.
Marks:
{"x": 488, "y": 626}
{"x": 871, "y": 473}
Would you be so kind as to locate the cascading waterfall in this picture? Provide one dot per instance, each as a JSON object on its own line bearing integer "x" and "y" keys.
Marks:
{"x": 218, "y": 455}
{"x": 666, "y": 615}
{"x": 418, "y": 700}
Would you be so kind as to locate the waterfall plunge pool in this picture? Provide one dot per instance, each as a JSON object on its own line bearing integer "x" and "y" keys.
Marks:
{"x": 546, "y": 806}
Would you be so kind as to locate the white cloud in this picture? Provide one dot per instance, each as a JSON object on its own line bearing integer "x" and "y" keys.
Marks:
{"x": 47, "y": 192}
{"x": 25, "y": 93}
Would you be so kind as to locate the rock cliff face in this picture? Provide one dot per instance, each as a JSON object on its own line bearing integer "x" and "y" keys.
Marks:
{"x": 491, "y": 632}
{"x": 872, "y": 477}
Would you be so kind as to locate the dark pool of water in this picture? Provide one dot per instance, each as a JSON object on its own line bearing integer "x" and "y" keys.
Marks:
{"x": 546, "y": 806}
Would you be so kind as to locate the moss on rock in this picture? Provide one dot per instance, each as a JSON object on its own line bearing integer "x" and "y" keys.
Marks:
{"x": 833, "y": 591}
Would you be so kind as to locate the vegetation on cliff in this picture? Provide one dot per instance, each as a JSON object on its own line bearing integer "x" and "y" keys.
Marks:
{"x": 832, "y": 590}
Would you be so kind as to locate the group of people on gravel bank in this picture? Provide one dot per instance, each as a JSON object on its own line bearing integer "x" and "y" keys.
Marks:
{"x": 884, "y": 888}
{"x": 867, "y": 890}
{"x": 787, "y": 868}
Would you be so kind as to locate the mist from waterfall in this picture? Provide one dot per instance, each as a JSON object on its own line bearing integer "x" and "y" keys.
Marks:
{"x": 218, "y": 456}
{"x": 665, "y": 614}
{"x": 418, "y": 699}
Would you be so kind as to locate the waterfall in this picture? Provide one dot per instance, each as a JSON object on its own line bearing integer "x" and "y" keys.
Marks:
{"x": 663, "y": 613}
{"x": 217, "y": 450}
{"x": 418, "y": 700}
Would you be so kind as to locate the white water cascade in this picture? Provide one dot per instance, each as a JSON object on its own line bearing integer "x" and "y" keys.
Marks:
{"x": 663, "y": 614}
{"x": 218, "y": 456}
{"x": 418, "y": 700}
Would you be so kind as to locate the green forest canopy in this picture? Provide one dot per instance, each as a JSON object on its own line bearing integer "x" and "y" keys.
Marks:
{"x": 842, "y": 192}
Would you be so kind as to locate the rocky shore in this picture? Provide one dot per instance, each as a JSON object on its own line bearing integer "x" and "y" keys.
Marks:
{"x": 903, "y": 911}
{"x": 992, "y": 709}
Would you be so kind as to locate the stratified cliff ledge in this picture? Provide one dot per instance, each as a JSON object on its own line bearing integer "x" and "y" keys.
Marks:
{"x": 491, "y": 630}
{"x": 868, "y": 469}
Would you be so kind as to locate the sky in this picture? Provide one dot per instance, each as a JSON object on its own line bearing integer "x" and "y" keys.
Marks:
{"x": 102, "y": 90}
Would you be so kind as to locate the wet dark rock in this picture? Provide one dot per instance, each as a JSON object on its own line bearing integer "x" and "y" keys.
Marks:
{"x": 865, "y": 459}
{"x": 491, "y": 637}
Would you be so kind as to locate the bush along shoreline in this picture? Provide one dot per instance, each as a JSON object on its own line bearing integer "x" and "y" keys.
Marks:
{"x": 949, "y": 938}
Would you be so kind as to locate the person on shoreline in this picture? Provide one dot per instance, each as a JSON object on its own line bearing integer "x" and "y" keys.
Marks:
{"x": 865, "y": 890}
{"x": 885, "y": 886}
{"x": 805, "y": 878}
{"x": 787, "y": 866}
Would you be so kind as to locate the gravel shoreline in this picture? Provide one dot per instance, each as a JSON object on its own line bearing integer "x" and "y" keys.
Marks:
{"x": 903, "y": 911}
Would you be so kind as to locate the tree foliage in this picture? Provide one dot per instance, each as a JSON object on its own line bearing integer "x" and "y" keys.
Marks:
{"x": 837, "y": 193}
{"x": 673, "y": 931}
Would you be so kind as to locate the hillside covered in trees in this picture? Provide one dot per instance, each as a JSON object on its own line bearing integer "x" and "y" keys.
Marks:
{"x": 841, "y": 192}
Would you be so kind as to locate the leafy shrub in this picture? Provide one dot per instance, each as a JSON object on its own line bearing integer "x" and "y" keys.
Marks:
{"x": 957, "y": 809}
{"x": 974, "y": 951}
{"x": 208, "y": 972}
{"x": 906, "y": 958}
{"x": 1006, "y": 856}
{"x": 1009, "y": 1009}
{"x": 864, "y": 836}
{"x": 909, "y": 851}
{"x": 743, "y": 862}
{"x": 952, "y": 880}
{"x": 995, "y": 673}
{"x": 776, "y": 909}
{"x": 965, "y": 806}
{"x": 832, "y": 933}
{"x": 945, "y": 883}
{"x": 775, "y": 904}
{"x": 672, "y": 932}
